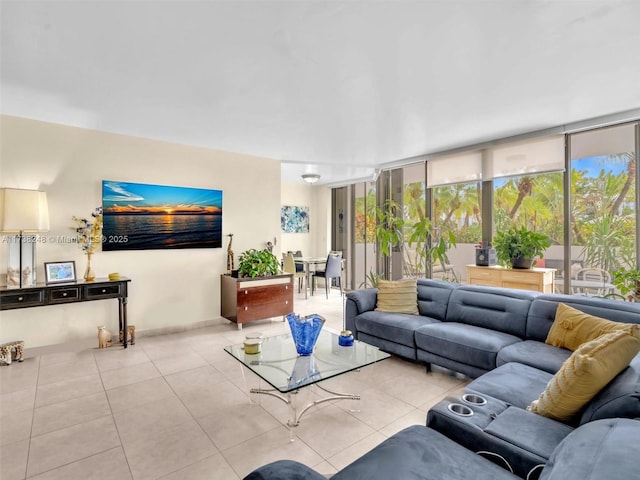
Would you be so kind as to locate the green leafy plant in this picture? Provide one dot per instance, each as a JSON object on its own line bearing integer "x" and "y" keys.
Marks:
{"x": 627, "y": 281}
{"x": 371, "y": 280}
{"x": 393, "y": 231}
{"x": 258, "y": 263}
{"x": 432, "y": 246}
{"x": 389, "y": 227}
{"x": 516, "y": 244}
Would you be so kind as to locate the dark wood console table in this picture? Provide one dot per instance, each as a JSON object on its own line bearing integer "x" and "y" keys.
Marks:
{"x": 42, "y": 295}
{"x": 246, "y": 299}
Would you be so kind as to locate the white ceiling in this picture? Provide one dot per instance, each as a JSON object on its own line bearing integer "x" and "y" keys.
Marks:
{"x": 337, "y": 88}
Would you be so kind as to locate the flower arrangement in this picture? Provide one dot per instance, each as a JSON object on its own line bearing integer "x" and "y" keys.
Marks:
{"x": 89, "y": 231}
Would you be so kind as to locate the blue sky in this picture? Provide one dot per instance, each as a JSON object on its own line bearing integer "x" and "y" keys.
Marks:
{"x": 144, "y": 197}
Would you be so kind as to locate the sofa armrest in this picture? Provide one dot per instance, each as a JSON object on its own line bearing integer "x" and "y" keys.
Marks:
{"x": 365, "y": 299}
{"x": 358, "y": 301}
{"x": 284, "y": 470}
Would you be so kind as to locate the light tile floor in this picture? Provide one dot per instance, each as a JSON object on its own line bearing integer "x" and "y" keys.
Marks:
{"x": 177, "y": 406}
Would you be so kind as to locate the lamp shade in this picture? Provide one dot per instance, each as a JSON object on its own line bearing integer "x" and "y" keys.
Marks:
{"x": 23, "y": 211}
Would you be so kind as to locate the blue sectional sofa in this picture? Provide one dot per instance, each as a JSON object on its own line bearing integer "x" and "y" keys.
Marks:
{"x": 495, "y": 336}
{"x": 602, "y": 450}
{"x": 473, "y": 329}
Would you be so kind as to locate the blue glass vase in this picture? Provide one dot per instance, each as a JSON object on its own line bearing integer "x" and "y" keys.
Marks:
{"x": 305, "y": 331}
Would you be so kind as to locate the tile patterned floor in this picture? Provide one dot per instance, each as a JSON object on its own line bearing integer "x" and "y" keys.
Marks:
{"x": 177, "y": 406}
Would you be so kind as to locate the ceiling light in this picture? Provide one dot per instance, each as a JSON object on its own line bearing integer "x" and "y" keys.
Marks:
{"x": 311, "y": 177}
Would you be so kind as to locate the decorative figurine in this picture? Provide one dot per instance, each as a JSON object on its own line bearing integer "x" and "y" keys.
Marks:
{"x": 131, "y": 334}
{"x": 11, "y": 351}
{"x": 230, "y": 259}
{"x": 104, "y": 337}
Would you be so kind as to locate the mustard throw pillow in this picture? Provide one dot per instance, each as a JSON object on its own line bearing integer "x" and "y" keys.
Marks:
{"x": 399, "y": 296}
{"x": 584, "y": 374}
{"x": 571, "y": 328}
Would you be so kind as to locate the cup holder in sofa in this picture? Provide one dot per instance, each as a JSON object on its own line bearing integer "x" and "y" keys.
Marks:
{"x": 460, "y": 409}
{"x": 474, "y": 399}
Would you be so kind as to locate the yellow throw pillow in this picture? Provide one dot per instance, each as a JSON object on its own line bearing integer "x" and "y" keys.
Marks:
{"x": 399, "y": 296}
{"x": 592, "y": 366}
{"x": 571, "y": 328}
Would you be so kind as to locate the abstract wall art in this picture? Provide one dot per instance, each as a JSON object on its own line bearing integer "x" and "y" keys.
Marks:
{"x": 138, "y": 216}
{"x": 294, "y": 219}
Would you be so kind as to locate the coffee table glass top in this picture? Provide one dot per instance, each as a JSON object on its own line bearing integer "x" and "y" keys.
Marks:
{"x": 279, "y": 364}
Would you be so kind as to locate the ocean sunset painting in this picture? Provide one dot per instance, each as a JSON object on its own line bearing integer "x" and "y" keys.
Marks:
{"x": 137, "y": 216}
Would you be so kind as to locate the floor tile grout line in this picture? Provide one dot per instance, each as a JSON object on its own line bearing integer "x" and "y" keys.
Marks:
{"x": 113, "y": 418}
{"x": 77, "y": 460}
{"x": 33, "y": 419}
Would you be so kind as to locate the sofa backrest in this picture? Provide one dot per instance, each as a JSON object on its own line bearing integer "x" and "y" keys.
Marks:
{"x": 619, "y": 398}
{"x": 543, "y": 312}
{"x": 433, "y": 297}
{"x": 501, "y": 309}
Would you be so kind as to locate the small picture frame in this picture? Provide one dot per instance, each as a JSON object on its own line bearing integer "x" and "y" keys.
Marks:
{"x": 59, "y": 272}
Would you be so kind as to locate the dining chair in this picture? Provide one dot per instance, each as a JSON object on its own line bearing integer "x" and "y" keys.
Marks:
{"x": 299, "y": 266}
{"x": 332, "y": 269}
{"x": 289, "y": 266}
{"x": 597, "y": 281}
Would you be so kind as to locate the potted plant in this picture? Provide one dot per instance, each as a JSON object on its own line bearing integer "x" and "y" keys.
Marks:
{"x": 628, "y": 282}
{"x": 389, "y": 227}
{"x": 516, "y": 248}
{"x": 431, "y": 245}
{"x": 258, "y": 263}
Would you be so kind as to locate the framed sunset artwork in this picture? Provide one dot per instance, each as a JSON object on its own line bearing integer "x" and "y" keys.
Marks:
{"x": 139, "y": 216}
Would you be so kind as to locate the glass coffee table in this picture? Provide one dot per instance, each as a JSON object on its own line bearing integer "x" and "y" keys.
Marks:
{"x": 280, "y": 366}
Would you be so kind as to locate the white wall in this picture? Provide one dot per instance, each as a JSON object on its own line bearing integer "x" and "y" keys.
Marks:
{"x": 169, "y": 288}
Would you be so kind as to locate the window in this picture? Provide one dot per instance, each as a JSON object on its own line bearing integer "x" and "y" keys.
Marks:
{"x": 603, "y": 213}
{"x": 365, "y": 234}
{"x": 588, "y": 211}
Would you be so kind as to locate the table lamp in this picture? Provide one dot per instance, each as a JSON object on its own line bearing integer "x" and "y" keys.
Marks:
{"x": 22, "y": 212}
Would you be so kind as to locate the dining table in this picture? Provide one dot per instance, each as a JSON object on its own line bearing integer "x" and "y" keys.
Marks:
{"x": 309, "y": 262}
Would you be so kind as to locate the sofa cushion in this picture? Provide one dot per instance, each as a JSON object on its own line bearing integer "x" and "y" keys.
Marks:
{"x": 603, "y": 449}
{"x": 535, "y": 354}
{"x": 499, "y": 309}
{"x": 463, "y": 343}
{"x": 420, "y": 453}
{"x": 395, "y": 327}
{"x": 512, "y": 383}
{"x": 398, "y": 296}
{"x": 572, "y": 328}
{"x": 586, "y": 371}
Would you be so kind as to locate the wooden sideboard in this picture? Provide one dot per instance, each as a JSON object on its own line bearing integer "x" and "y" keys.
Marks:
{"x": 42, "y": 295}
{"x": 536, "y": 279}
{"x": 245, "y": 299}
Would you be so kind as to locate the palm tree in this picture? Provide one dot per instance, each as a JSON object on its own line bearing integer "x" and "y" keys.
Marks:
{"x": 525, "y": 186}
{"x": 630, "y": 158}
